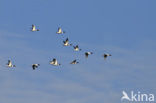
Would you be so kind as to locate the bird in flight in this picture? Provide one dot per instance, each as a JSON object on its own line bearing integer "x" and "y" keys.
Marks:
{"x": 10, "y": 65}
{"x": 66, "y": 42}
{"x": 54, "y": 62}
{"x": 74, "y": 62}
{"x": 60, "y": 31}
{"x": 76, "y": 48}
{"x": 88, "y": 53}
{"x": 106, "y": 55}
{"x": 34, "y": 28}
{"x": 34, "y": 66}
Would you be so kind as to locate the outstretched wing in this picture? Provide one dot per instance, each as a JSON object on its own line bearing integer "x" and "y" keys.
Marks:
{"x": 59, "y": 30}
{"x": 33, "y": 27}
{"x": 9, "y": 63}
{"x": 86, "y": 54}
{"x": 54, "y": 60}
{"x": 67, "y": 40}
{"x": 73, "y": 62}
{"x": 34, "y": 67}
{"x": 105, "y": 56}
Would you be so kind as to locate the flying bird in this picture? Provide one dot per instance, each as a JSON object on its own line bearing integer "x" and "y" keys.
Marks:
{"x": 106, "y": 55}
{"x": 66, "y": 42}
{"x": 88, "y": 53}
{"x": 34, "y": 66}
{"x": 60, "y": 31}
{"x": 76, "y": 48}
{"x": 54, "y": 62}
{"x": 74, "y": 62}
{"x": 10, "y": 65}
{"x": 34, "y": 28}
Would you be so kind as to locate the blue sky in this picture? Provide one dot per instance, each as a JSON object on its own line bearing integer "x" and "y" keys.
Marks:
{"x": 124, "y": 28}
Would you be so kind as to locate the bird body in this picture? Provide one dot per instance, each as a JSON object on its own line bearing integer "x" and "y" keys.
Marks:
{"x": 66, "y": 43}
{"x": 106, "y": 55}
{"x": 74, "y": 62}
{"x": 88, "y": 53}
{"x": 76, "y": 48}
{"x": 54, "y": 62}
{"x": 60, "y": 31}
{"x": 34, "y": 28}
{"x": 34, "y": 66}
{"x": 10, "y": 65}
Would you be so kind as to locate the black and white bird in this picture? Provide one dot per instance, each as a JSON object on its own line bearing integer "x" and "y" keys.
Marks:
{"x": 66, "y": 42}
{"x": 54, "y": 62}
{"x": 10, "y": 65}
{"x": 74, "y": 62}
{"x": 88, "y": 53}
{"x": 34, "y": 66}
{"x": 60, "y": 31}
{"x": 34, "y": 28}
{"x": 76, "y": 48}
{"x": 106, "y": 55}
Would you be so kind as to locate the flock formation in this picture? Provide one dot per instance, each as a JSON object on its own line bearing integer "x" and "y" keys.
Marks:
{"x": 54, "y": 62}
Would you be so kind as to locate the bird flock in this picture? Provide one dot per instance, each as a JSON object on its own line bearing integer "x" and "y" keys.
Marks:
{"x": 54, "y": 61}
